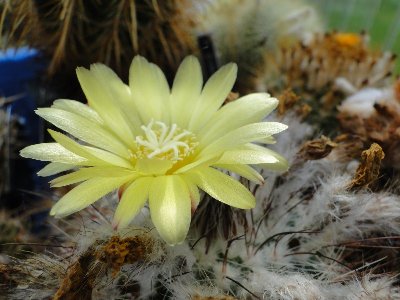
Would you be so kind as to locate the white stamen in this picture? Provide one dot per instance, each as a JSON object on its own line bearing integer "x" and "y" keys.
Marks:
{"x": 164, "y": 130}
{"x": 171, "y": 133}
{"x": 183, "y": 134}
{"x": 176, "y": 152}
{"x": 168, "y": 142}
{"x": 154, "y": 153}
{"x": 182, "y": 144}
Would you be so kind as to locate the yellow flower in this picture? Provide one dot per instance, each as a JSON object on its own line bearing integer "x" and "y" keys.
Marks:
{"x": 157, "y": 144}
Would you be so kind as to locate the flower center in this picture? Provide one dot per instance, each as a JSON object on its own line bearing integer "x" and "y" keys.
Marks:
{"x": 165, "y": 142}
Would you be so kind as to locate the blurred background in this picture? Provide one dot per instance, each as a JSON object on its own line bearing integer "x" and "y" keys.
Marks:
{"x": 379, "y": 18}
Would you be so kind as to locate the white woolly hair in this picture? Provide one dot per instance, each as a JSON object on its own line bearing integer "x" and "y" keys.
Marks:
{"x": 292, "y": 248}
{"x": 302, "y": 287}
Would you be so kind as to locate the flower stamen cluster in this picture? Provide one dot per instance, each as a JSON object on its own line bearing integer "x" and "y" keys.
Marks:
{"x": 164, "y": 142}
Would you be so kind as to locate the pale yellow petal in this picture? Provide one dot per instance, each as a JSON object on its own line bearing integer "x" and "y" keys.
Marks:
{"x": 250, "y": 156}
{"x": 186, "y": 91}
{"x": 213, "y": 95}
{"x": 71, "y": 178}
{"x": 72, "y": 146}
{"x": 153, "y": 166}
{"x": 133, "y": 120}
{"x": 150, "y": 90}
{"x": 84, "y": 130}
{"x": 87, "y": 173}
{"x": 244, "y": 171}
{"x": 95, "y": 85}
{"x": 170, "y": 208}
{"x": 267, "y": 140}
{"x": 194, "y": 194}
{"x": 206, "y": 160}
{"x": 281, "y": 164}
{"x": 78, "y": 108}
{"x": 133, "y": 199}
{"x": 222, "y": 187}
{"x": 120, "y": 92}
{"x": 108, "y": 157}
{"x": 115, "y": 101}
{"x": 95, "y": 157}
{"x": 245, "y": 110}
{"x": 243, "y": 135}
{"x": 122, "y": 95}
{"x": 85, "y": 194}
{"x": 52, "y": 152}
{"x": 53, "y": 169}
{"x": 124, "y": 107}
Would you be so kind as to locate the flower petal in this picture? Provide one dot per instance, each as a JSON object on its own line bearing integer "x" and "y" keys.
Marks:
{"x": 251, "y": 156}
{"x": 243, "y": 135}
{"x": 133, "y": 199}
{"x": 153, "y": 166}
{"x": 267, "y": 140}
{"x": 87, "y": 173}
{"x": 205, "y": 160}
{"x": 222, "y": 187}
{"x": 53, "y": 169}
{"x": 120, "y": 93}
{"x": 244, "y": 171}
{"x": 194, "y": 194}
{"x": 71, "y": 178}
{"x": 95, "y": 157}
{"x": 95, "y": 84}
{"x": 108, "y": 157}
{"x": 245, "y": 110}
{"x": 52, "y": 152}
{"x": 213, "y": 95}
{"x": 149, "y": 88}
{"x": 281, "y": 164}
{"x": 185, "y": 93}
{"x": 78, "y": 108}
{"x": 170, "y": 202}
{"x": 84, "y": 130}
{"x": 124, "y": 109}
{"x": 85, "y": 194}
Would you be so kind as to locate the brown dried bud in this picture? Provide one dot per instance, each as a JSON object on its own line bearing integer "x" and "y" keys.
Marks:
{"x": 286, "y": 101}
{"x": 317, "y": 149}
{"x": 368, "y": 170}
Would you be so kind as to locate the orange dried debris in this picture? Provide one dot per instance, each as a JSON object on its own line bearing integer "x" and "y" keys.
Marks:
{"x": 317, "y": 149}
{"x": 79, "y": 281}
{"x": 287, "y": 100}
{"x": 304, "y": 110}
{"x": 6, "y": 276}
{"x": 120, "y": 251}
{"x": 382, "y": 127}
{"x": 368, "y": 170}
{"x": 81, "y": 276}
